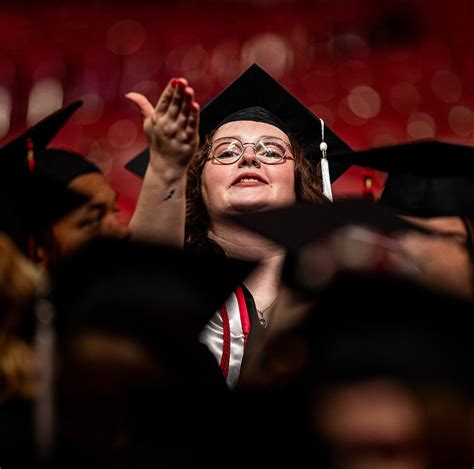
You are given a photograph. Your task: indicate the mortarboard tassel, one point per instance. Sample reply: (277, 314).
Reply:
(367, 189)
(325, 165)
(30, 159)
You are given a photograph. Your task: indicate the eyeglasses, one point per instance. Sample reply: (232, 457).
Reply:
(268, 150)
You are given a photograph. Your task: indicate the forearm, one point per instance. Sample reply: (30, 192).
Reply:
(160, 213)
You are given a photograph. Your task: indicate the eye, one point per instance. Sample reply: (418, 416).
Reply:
(92, 221)
(271, 150)
(227, 150)
(90, 224)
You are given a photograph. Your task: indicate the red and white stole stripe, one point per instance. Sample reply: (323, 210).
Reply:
(226, 335)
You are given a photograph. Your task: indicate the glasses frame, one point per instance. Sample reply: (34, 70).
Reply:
(253, 145)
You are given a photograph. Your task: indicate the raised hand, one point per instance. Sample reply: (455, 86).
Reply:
(172, 126)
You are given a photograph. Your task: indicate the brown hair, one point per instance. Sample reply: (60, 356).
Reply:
(308, 188)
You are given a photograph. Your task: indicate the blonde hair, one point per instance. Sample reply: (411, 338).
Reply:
(20, 283)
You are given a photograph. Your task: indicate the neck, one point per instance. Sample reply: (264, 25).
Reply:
(264, 281)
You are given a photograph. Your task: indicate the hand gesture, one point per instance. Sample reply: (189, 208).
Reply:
(172, 126)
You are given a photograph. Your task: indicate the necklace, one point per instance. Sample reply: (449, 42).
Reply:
(261, 312)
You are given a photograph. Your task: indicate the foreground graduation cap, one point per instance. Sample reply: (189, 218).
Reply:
(256, 88)
(425, 178)
(349, 341)
(144, 291)
(298, 225)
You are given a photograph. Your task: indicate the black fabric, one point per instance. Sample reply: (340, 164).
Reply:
(255, 114)
(425, 178)
(40, 135)
(302, 223)
(63, 165)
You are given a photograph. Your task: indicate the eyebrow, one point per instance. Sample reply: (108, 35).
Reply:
(457, 236)
(100, 205)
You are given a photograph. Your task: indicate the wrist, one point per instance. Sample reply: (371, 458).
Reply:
(166, 169)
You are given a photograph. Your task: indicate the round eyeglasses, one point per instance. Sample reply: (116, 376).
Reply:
(268, 150)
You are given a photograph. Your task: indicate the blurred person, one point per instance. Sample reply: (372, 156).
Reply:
(430, 184)
(96, 218)
(358, 348)
(385, 391)
(21, 283)
(27, 157)
(133, 383)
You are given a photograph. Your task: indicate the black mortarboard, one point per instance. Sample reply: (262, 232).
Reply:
(37, 137)
(255, 95)
(298, 225)
(425, 178)
(63, 165)
(143, 291)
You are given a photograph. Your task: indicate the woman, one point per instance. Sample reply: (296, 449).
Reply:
(258, 142)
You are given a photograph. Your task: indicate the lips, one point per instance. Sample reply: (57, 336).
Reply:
(248, 179)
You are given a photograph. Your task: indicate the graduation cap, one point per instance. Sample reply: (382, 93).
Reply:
(425, 178)
(63, 165)
(29, 201)
(255, 95)
(37, 137)
(143, 291)
(367, 244)
(347, 341)
(303, 223)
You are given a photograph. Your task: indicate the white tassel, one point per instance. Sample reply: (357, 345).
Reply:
(325, 165)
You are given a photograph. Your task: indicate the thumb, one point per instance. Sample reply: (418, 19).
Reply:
(144, 106)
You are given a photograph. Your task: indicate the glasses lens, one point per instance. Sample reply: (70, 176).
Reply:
(270, 150)
(226, 151)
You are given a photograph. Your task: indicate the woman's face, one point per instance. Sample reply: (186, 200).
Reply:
(247, 185)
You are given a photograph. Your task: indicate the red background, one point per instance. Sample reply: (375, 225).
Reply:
(378, 72)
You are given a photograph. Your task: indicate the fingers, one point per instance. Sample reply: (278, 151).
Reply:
(144, 106)
(186, 103)
(193, 119)
(177, 98)
(192, 124)
(166, 97)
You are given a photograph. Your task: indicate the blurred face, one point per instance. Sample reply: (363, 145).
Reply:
(373, 424)
(449, 227)
(443, 260)
(247, 185)
(97, 218)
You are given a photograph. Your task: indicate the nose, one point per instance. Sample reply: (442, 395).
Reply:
(113, 228)
(249, 157)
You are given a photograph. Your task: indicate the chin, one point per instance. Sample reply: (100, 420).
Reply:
(251, 205)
